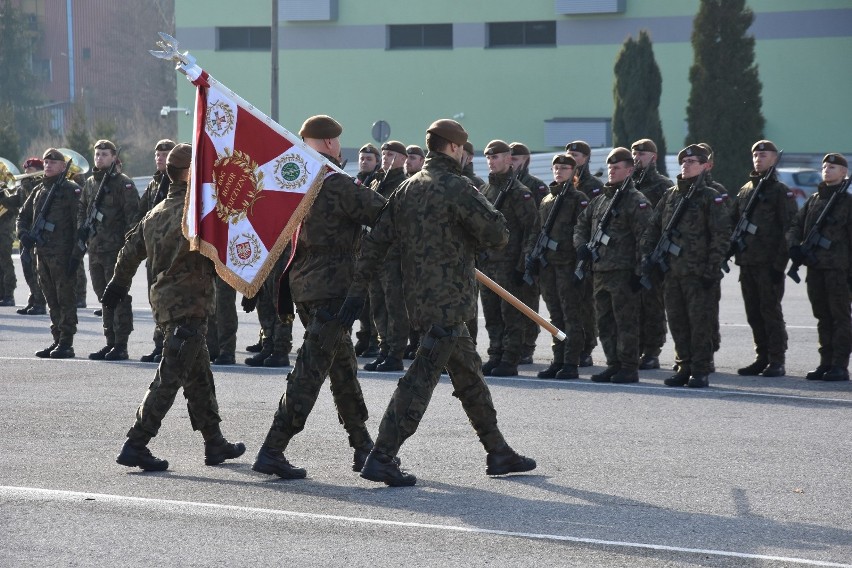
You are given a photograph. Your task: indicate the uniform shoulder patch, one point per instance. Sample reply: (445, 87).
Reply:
(791, 195)
(526, 195)
(643, 204)
(128, 186)
(584, 203)
(718, 200)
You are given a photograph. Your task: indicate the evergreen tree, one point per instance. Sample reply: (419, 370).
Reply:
(10, 146)
(77, 135)
(724, 108)
(638, 85)
(18, 93)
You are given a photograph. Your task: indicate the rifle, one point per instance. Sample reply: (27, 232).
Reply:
(498, 203)
(600, 237)
(814, 237)
(544, 242)
(666, 245)
(40, 223)
(89, 228)
(744, 225)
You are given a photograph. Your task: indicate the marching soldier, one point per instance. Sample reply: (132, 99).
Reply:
(36, 302)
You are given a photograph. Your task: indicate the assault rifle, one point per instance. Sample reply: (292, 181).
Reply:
(89, 228)
(666, 245)
(814, 237)
(498, 203)
(600, 237)
(544, 242)
(744, 225)
(40, 222)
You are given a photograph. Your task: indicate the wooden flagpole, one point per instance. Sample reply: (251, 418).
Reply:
(526, 310)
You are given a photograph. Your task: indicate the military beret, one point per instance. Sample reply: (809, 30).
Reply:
(394, 146)
(104, 145)
(53, 154)
(33, 162)
(644, 145)
(764, 146)
(693, 150)
(415, 149)
(180, 156)
(496, 147)
(369, 149)
(448, 129)
(566, 159)
(579, 146)
(468, 147)
(836, 159)
(709, 149)
(519, 149)
(320, 127)
(619, 154)
(164, 144)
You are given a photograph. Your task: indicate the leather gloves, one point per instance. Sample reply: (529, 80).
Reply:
(113, 294)
(350, 310)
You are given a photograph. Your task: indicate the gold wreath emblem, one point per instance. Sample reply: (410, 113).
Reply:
(237, 184)
(245, 253)
(219, 119)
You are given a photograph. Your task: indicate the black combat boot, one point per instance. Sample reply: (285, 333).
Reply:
(504, 369)
(219, 449)
(136, 455)
(390, 364)
(7, 301)
(372, 349)
(373, 365)
(818, 373)
(225, 359)
(23, 311)
(277, 359)
(257, 360)
(623, 376)
(62, 351)
(99, 312)
(836, 373)
(679, 379)
(151, 357)
(774, 370)
(506, 460)
(382, 468)
(45, 353)
(100, 354)
(256, 348)
(606, 375)
(550, 372)
(38, 310)
(489, 366)
(699, 381)
(117, 353)
(526, 360)
(567, 372)
(586, 360)
(755, 368)
(272, 462)
(649, 362)
(359, 457)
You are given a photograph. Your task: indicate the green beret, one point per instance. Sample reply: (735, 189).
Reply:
(764, 146)
(566, 159)
(644, 145)
(449, 130)
(104, 145)
(468, 147)
(579, 146)
(415, 149)
(693, 150)
(836, 159)
(519, 149)
(320, 127)
(164, 145)
(180, 156)
(619, 154)
(496, 147)
(394, 146)
(53, 154)
(369, 149)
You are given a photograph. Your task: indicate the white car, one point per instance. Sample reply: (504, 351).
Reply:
(802, 181)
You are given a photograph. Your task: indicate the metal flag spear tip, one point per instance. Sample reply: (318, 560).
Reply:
(169, 46)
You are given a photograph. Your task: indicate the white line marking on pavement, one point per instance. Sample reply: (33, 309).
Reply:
(61, 495)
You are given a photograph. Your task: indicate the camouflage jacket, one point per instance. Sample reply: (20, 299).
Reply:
(702, 232)
(537, 187)
(181, 280)
(573, 204)
(440, 220)
(155, 192)
(837, 228)
(325, 252)
(722, 190)
(625, 229)
(385, 183)
(63, 215)
(521, 215)
(589, 184)
(119, 206)
(654, 184)
(773, 215)
(468, 172)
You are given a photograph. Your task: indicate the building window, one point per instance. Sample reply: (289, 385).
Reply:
(519, 34)
(419, 36)
(257, 38)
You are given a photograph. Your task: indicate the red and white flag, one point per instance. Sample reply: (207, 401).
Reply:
(252, 184)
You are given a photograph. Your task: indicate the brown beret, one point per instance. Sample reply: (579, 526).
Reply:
(369, 149)
(448, 129)
(644, 145)
(579, 146)
(415, 149)
(693, 150)
(320, 127)
(53, 154)
(519, 149)
(496, 147)
(619, 154)
(566, 159)
(709, 149)
(180, 156)
(104, 145)
(836, 159)
(394, 146)
(468, 147)
(764, 146)
(33, 162)
(164, 145)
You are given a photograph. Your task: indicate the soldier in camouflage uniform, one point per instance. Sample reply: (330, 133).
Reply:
(591, 186)
(9, 206)
(320, 274)
(276, 339)
(119, 206)
(467, 170)
(652, 317)
(51, 257)
(616, 272)
(563, 302)
(222, 325)
(504, 323)
(829, 270)
(367, 339)
(439, 221)
(694, 273)
(414, 158)
(763, 261)
(156, 191)
(36, 302)
(181, 296)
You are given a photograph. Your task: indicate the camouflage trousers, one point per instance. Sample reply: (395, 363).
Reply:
(118, 322)
(503, 322)
(689, 306)
(652, 319)
(588, 316)
(531, 296)
(81, 285)
(762, 294)
(158, 333)
(271, 327)
(7, 267)
(185, 363)
(326, 352)
(617, 307)
(564, 304)
(31, 276)
(58, 292)
(453, 349)
(387, 305)
(222, 326)
(828, 292)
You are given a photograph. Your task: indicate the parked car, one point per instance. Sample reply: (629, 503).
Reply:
(802, 181)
